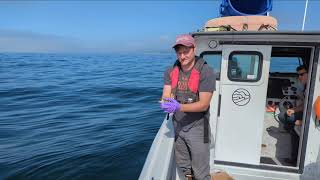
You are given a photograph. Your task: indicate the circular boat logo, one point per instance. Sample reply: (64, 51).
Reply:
(241, 97)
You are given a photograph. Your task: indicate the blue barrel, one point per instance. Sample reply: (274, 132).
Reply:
(245, 7)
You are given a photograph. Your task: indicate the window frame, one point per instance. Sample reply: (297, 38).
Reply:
(259, 54)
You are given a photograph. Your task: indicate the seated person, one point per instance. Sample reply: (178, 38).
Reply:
(235, 70)
(294, 116)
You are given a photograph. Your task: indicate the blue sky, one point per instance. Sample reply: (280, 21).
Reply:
(121, 26)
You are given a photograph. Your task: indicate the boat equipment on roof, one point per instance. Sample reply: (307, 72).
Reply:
(245, 7)
(243, 15)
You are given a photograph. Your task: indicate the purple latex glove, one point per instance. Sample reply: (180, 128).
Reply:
(170, 106)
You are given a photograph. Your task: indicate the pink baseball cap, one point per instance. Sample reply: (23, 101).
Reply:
(185, 40)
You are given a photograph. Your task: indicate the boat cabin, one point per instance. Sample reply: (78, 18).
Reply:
(256, 83)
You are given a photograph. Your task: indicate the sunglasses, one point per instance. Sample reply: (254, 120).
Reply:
(301, 74)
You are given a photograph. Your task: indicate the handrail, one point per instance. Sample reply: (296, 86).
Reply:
(159, 162)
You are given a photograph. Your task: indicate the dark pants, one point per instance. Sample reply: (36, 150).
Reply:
(294, 145)
(192, 154)
(294, 136)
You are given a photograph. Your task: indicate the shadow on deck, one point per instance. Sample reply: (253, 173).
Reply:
(276, 142)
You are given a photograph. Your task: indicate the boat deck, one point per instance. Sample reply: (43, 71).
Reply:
(276, 142)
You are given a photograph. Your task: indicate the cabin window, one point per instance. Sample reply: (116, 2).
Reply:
(245, 66)
(284, 64)
(214, 60)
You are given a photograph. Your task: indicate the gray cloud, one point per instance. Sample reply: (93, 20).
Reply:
(164, 38)
(25, 41)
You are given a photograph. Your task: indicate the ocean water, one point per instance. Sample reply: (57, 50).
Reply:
(67, 116)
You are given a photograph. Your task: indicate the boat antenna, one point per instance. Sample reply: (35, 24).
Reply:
(305, 14)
